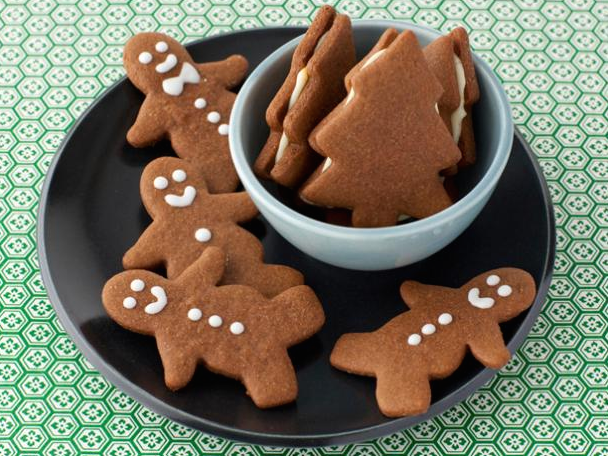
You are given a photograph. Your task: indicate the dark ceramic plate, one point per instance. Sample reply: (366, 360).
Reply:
(91, 213)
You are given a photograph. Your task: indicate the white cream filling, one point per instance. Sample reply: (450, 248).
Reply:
(326, 165)
(371, 60)
(301, 81)
(460, 113)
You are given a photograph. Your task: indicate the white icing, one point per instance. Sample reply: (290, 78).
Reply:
(200, 103)
(129, 302)
(460, 113)
(167, 65)
(145, 58)
(183, 200)
(428, 329)
(301, 80)
(326, 165)
(504, 291)
(444, 319)
(437, 108)
(161, 183)
(195, 314)
(215, 321)
(350, 96)
(188, 75)
(202, 235)
(214, 117)
(414, 339)
(493, 280)
(223, 129)
(237, 328)
(479, 302)
(179, 175)
(160, 303)
(161, 46)
(403, 217)
(373, 57)
(138, 285)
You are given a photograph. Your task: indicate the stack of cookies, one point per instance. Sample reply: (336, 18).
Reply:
(220, 304)
(378, 137)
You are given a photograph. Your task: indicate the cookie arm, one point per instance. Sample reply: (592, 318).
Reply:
(298, 314)
(488, 346)
(145, 253)
(230, 72)
(204, 272)
(237, 207)
(416, 294)
(148, 128)
(179, 364)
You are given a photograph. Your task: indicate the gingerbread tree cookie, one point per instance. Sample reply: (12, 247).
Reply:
(186, 102)
(187, 219)
(385, 143)
(233, 330)
(430, 340)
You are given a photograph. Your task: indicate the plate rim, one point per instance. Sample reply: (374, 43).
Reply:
(150, 401)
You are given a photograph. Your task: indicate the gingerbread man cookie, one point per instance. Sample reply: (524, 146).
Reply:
(233, 330)
(430, 340)
(187, 219)
(385, 144)
(186, 102)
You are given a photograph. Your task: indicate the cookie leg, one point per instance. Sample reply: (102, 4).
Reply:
(271, 381)
(402, 392)
(179, 365)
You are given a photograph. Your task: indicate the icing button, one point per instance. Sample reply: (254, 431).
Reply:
(195, 314)
(414, 339)
(215, 321)
(202, 235)
(237, 328)
(200, 103)
(213, 117)
(428, 329)
(444, 319)
(223, 129)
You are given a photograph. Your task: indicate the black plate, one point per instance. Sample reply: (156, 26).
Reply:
(91, 213)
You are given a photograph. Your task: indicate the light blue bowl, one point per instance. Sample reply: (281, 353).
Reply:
(370, 248)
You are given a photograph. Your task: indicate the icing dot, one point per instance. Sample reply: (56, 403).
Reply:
(161, 46)
(493, 280)
(444, 319)
(202, 235)
(414, 339)
(428, 329)
(215, 321)
(161, 183)
(129, 302)
(223, 129)
(145, 58)
(138, 285)
(200, 103)
(504, 291)
(179, 175)
(195, 314)
(213, 117)
(237, 328)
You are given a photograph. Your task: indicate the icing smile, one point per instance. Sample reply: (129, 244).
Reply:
(476, 301)
(160, 303)
(167, 65)
(182, 200)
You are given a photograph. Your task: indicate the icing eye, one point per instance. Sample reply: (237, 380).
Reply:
(504, 291)
(161, 183)
(161, 46)
(223, 129)
(202, 235)
(145, 58)
(195, 314)
(129, 302)
(200, 103)
(493, 280)
(137, 285)
(215, 321)
(179, 175)
(237, 328)
(213, 117)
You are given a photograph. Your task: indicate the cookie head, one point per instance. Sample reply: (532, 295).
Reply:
(504, 292)
(151, 59)
(169, 183)
(134, 299)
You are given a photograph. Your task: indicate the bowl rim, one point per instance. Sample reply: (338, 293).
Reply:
(263, 197)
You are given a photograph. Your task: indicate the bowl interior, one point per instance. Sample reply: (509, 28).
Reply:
(267, 81)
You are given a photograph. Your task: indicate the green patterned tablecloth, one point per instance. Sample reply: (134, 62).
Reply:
(552, 398)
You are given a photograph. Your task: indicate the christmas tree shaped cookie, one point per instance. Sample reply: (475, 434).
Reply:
(187, 220)
(431, 339)
(186, 102)
(233, 330)
(385, 144)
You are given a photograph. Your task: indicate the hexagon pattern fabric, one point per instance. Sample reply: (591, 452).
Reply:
(552, 57)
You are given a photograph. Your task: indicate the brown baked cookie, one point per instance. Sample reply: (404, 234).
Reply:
(187, 220)
(450, 60)
(385, 143)
(186, 102)
(314, 86)
(430, 340)
(232, 330)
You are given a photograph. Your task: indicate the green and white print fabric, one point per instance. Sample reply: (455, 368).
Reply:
(551, 399)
